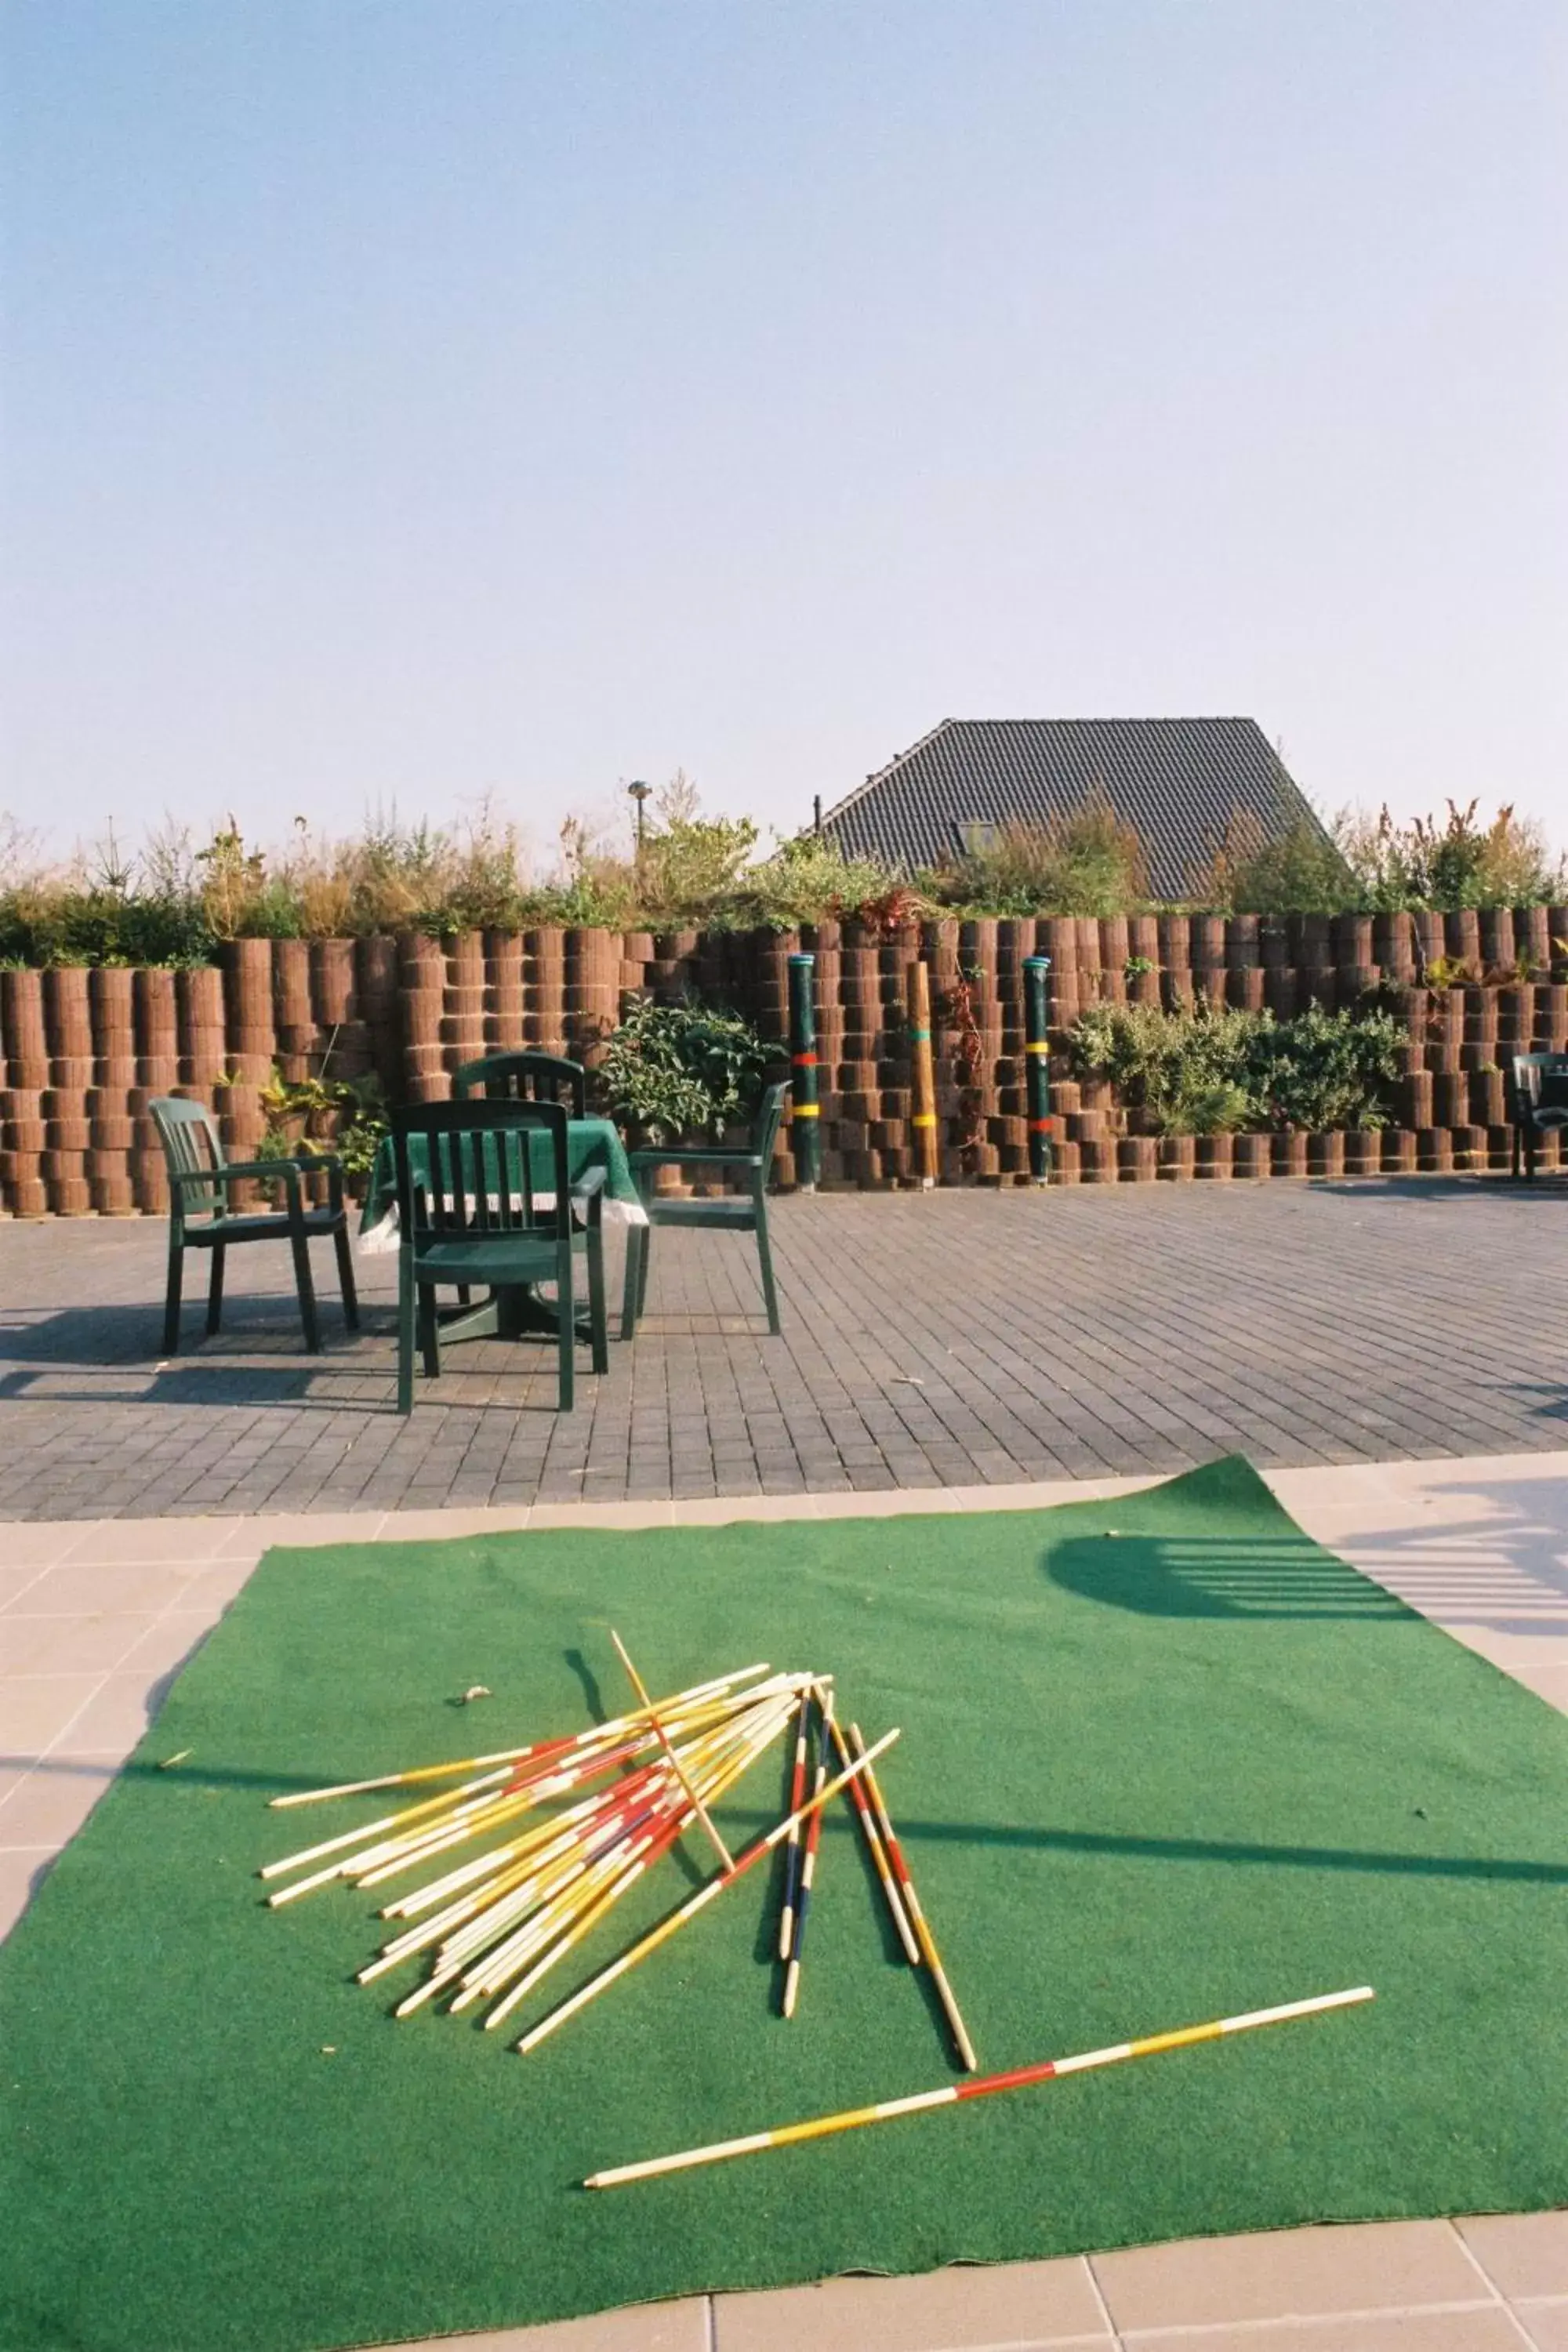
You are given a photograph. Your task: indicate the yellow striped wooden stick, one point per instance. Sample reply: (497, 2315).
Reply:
(953, 2094)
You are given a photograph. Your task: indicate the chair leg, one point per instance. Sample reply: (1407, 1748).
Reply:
(299, 1243)
(215, 1291)
(346, 1283)
(631, 1291)
(644, 1256)
(429, 1341)
(566, 1328)
(1529, 1156)
(765, 1256)
(407, 1315)
(596, 1311)
(171, 1296)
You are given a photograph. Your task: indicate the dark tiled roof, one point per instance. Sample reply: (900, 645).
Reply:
(1177, 780)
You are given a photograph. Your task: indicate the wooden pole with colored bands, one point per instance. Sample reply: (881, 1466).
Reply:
(589, 1739)
(952, 2094)
(923, 1936)
(808, 1861)
(714, 1840)
(922, 1074)
(698, 1902)
(1036, 1065)
(880, 1862)
(804, 1120)
(791, 1843)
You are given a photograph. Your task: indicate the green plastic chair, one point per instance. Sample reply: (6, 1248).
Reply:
(1539, 1106)
(476, 1218)
(201, 1218)
(735, 1213)
(524, 1078)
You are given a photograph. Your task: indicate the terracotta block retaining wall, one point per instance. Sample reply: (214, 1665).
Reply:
(82, 1053)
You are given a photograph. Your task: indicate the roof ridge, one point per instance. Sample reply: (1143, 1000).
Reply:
(880, 776)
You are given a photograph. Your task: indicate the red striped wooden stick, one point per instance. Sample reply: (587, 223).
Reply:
(952, 2094)
(923, 1936)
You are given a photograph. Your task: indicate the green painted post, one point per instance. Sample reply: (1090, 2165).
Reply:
(805, 1126)
(1037, 1071)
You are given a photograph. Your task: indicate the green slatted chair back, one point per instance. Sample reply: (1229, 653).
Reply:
(188, 1133)
(524, 1077)
(766, 1128)
(474, 1173)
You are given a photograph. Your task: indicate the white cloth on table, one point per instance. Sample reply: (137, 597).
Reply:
(381, 1238)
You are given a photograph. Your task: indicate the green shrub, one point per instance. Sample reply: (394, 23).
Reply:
(1216, 1070)
(1089, 863)
(1325, 1070)
(683, 1070)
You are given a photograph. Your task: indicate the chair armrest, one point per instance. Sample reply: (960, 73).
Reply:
(266, 1171)
(272, 1170)
(675, 1157)
(588, 1192)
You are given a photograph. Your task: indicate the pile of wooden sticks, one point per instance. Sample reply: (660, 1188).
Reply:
(606, 1805)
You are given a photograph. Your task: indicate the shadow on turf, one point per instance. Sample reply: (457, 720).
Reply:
(1185, 1576)
(914, 1830)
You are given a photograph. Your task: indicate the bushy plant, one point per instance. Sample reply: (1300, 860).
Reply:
(809, 880)
(1303, 871)
(682, 1070)
(1089, 863)
(1452, 862)
(1214, 1070)
(1326, 1070)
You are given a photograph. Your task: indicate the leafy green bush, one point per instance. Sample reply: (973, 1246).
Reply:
(1089, 863)
(1325, 1070)
(1216, 1070)
(679, 1071)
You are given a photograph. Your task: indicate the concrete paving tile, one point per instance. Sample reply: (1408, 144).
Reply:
(112, 1720)
(80, 1591)
(131, 1542)
(647, 2327)
(443, 1526)
(1546, 2324)
(250, 1537)
(61, 1645)
(1284, 2274)
(1550, 1682)
(718, 1510)
(19, 1875)
(33, 1715)
(1522, 2253)
(1021, 2304)
(26, 1544)
(169, 1642)
(604, 1516)
(48, 1805)
(209, 1591)
(1480, 2328)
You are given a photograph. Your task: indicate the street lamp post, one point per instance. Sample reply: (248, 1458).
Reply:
(640, 792)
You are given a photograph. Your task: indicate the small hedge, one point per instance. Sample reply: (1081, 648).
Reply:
(1215, 1072)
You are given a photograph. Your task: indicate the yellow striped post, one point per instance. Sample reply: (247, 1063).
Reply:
(922, 1075)
(804, 1118)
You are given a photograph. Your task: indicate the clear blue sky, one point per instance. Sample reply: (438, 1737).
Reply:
(417, 398)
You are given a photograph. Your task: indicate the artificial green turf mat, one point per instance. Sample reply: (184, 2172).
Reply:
(1146, 1778)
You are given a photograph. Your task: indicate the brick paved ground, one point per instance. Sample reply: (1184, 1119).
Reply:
(954, 1338)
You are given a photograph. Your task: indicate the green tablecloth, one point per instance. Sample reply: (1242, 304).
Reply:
(590, 1143)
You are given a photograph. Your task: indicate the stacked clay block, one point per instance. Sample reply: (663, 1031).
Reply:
(422, 1000)
(25, 1068)
(83, 1055)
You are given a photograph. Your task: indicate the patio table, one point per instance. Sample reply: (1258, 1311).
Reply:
(590, 1143)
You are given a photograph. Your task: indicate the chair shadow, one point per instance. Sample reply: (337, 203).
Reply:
(1265, 1576)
